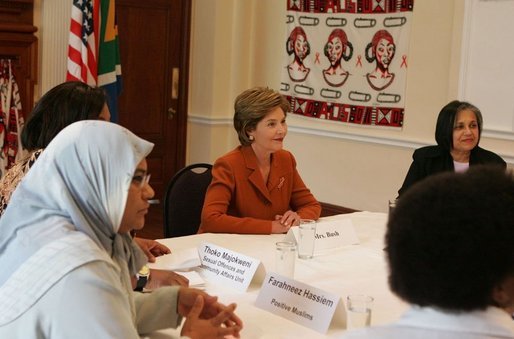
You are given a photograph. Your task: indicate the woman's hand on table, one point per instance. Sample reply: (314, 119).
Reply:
(205, 316)
(277, 227)
(159, 278)
(152, 248)
(283, 223)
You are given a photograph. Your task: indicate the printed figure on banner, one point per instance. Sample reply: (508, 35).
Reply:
(298, 45)
(337, 47)
(346, 61)
(381, 50)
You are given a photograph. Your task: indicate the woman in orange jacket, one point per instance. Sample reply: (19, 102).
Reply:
(256, 187)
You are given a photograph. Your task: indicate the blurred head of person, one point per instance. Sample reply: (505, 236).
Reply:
(449, 241)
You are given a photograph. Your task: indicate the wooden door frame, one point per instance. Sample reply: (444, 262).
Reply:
(182, 104)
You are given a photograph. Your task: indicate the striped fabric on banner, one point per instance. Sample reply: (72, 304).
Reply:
(109, 66)
(82, 49)
(346, 60)
(11, 118)
(93, 52)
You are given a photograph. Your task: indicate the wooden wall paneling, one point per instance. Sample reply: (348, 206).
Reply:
(18, 43)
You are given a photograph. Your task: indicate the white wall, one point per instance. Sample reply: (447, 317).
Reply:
(486, 78)
(345, 165)
(238, 44)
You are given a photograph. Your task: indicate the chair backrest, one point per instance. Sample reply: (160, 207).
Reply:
(183, 200)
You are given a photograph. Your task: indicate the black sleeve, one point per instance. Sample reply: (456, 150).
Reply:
(413, 176)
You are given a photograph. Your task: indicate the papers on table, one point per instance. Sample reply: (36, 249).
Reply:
(182, 260)
(195, 280)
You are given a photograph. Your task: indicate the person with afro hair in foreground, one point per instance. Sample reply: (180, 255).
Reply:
(450, 250)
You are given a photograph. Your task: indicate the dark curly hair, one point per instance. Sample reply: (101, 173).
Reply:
(450, 239)
(59, 107)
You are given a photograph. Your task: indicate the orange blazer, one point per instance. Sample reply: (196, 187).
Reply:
(238, 200)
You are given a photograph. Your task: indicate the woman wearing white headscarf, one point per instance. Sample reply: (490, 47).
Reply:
(66, 253)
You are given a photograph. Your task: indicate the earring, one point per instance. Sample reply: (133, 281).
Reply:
(251, 138)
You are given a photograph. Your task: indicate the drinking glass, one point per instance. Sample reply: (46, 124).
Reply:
(358, 310)
(392, 205)
(285, 258)
(306, 239)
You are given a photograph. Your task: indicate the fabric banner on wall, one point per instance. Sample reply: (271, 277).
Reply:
(346, 60)
(11, 117)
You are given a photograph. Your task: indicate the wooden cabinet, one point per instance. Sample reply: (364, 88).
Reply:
(18, 43)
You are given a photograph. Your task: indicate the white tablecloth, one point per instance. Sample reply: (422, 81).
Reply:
(354, 269)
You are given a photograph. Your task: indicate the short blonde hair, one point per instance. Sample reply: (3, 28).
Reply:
(252, 106)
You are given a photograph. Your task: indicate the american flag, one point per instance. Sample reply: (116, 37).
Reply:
(93, 51)
(82, 49)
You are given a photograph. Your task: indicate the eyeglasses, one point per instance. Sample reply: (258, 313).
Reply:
(141, 180)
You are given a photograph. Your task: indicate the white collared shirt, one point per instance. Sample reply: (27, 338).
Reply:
(460, 167)
(426, 322)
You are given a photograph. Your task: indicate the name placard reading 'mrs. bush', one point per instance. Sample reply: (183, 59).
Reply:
(330, 234)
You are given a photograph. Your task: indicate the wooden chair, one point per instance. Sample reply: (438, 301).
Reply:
(330, 209)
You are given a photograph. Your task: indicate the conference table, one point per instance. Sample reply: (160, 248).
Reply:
(351, 269)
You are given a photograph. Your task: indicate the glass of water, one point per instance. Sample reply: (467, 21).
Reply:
(392, 204)
(285, 258)
(306, 238)
(358, 310)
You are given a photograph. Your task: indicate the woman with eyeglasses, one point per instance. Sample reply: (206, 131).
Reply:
(67, 256)
(61, 106)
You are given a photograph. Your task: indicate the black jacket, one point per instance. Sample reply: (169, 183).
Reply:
(434, 159)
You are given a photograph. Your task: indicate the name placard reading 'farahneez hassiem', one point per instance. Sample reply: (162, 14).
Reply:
(304, 304)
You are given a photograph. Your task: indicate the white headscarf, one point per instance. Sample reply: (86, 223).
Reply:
(79, 183)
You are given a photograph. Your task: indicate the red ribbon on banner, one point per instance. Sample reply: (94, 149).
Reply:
(404, 61)
(359, 61)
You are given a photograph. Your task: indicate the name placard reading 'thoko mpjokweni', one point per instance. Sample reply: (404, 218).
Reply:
(306, 305)
(227, 267)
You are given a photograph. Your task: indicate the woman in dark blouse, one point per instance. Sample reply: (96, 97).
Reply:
(457, 133)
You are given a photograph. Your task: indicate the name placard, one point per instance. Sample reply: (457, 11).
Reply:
(306, 305)
(330, 234)
(227, 267)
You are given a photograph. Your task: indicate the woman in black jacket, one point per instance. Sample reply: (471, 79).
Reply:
(457, 133)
